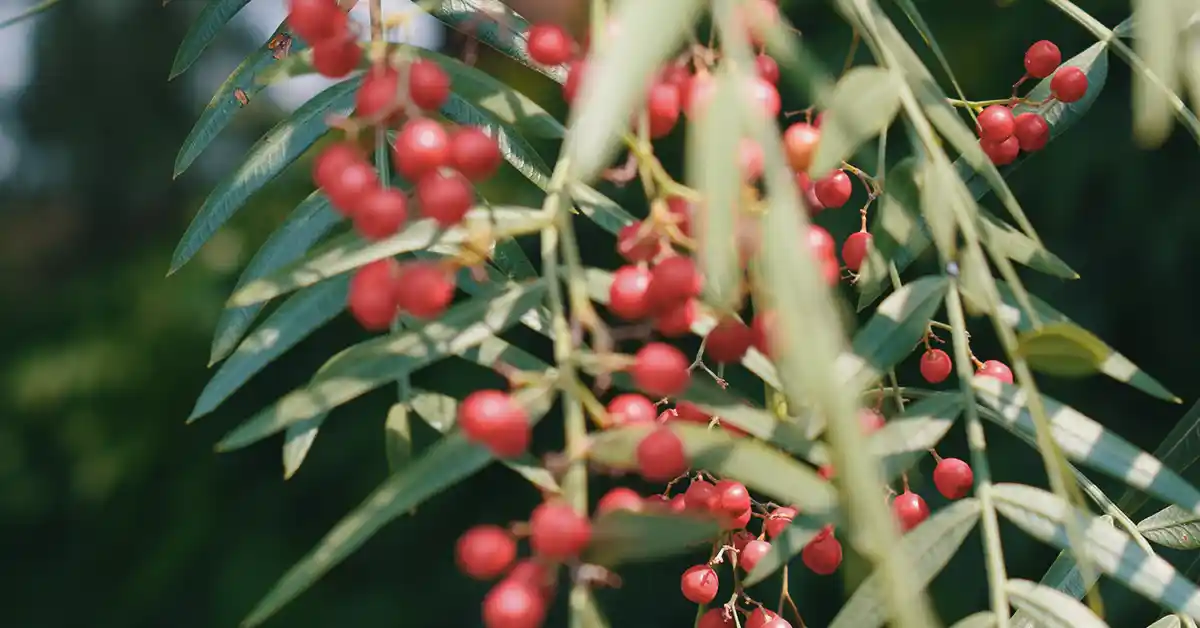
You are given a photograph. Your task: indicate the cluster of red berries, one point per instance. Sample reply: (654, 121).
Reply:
(936, 367)
(1002, 135)
(327, 28)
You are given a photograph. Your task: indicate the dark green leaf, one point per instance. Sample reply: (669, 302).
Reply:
(1063, 349)
(624, 537)
(1178, 451)
(1172, 527)
(515, 149)
(1002, 238)
(1051, 607)
(213, 17)
(899, 323)
(897, 231)
(861, 106)
(495, 24)
(599, 208)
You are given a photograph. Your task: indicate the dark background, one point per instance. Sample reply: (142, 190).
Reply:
(114, 513)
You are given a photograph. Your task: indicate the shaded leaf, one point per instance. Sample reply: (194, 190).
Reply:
(1179, 450)
(495, 24)
(213, 17)
(784, 547)
(1172, 527)
(1063, 349)
(891, 334)
(896, 229)
(599, 208)
(861, 106)
(1156, 39)
(905, 439)
(1050, 607)
(624, 537)
(1005, 240)
(514, 148)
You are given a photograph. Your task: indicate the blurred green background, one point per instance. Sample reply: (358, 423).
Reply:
(116, 514)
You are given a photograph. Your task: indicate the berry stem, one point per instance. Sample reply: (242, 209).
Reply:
(980, 104)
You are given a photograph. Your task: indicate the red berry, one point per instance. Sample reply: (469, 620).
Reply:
(733, 498)
(870, 421)
(575, 72)
(827, 472)
(347, 187)
(729, 341)
(661, 370)
(661, 456)
(1001, 153)
(549, 44)
(1042, 59)
(445, 196)
(691, 413)
(765, 96)
(681, 211)
(380, 213)
(1032, 132)
(627, 293)
(537, 574)
(676, 320)
(316, 20)
(779, 520)
(823, 554)
(372, 294)
(715, 618)
(328, 166)
(935, 366)
(620, 498)
(1069, 84)
(699, 584)
(753, 552)
(767, 14)
(953, 478)
(514, 604)
(737, 521)
(800, 143)
(854, 250)
(740, 539)
(662, 107)
(673, 281)
(485, 551)
(699, 94)
(634, 245)
(336, 57)
(767, 68)
(428, 84)
(997, 370)
(763, 327)
(557, 532)
(700, 496)
(820, 242)
(495, 420)
(763, 618)
(910, 510)
(425, 289)
(378, 93)
(474, 153)
(809, 189)
(834, 190)
(751, 160)
(631, 408)
(422, 146)
(831, 271)
(995, 123)
(676, 74)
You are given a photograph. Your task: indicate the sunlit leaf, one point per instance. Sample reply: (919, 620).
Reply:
(1170, 621)
(213, 17)
(982, 619)
(905, 439)
(1156, 39)
(585, 611)
(298, 440)
(1172, 527)
(861, 106)
(495, 24)
(897, 233)
(712, 168)
(1062, 349)
(893, 331)
(1178, 451)
(784, 547)
(514, 148)
(397, 437)
(623, 537)
(1050, 607)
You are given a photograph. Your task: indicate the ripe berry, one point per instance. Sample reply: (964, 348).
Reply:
(751, 160)
(681, 211)
(673, 281)
(428, 84)
(740, 539)
(1042, 59)
(378, 92)
(422, 146)
(854, 250)
(336, 57)
(767, 68)
(316, 20)
(575, 73)
(910, 510)
(627, 293)
(380, 213)
(691, 413)
(763, 618)
(631, 408)
(557, 532)
(1032, 131)
(834, 190)
(328, 165)
(549, 44)
(1069, 84)
(935, 366)
(808, 188)
(763, 327)
(535, 573)
(827, 472)
(823, 554)
(715, 618)
(634, 245)
(700, 496)
(765, 96)
(425, 289)
(661, 370)
(699, 93)
(996, 369)
(495, 420)
(733, 498)
(870, 421)
(485, 551)
(474, 153)
(752, 553)
(660, 456)
(820, 242)
(348, 186)
(514, 604)
(662, 108)
(779, 520)
(620, 498)
(676, 320)
(372, 294)
(445, 197)
(729, 341)
(699, 584)
(953, 478)
(1001, 153)
(767, 14)
(995, 123)
(800, 142)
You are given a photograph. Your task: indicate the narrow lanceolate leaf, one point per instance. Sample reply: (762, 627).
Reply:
(495, 24)
(1156, 39)
(225, 105)
(784, 547)
(1062, 349)
(624, 537)
(746, 460)
(446, 463)
(1087, 442)
(397, 437)
(712, 168)
(897, 234)
(1003, 239)
(266, 159)
(600, 209)
(295, 319)
(618, 78)
(585, 611)
(348, 252)
(1170, 621)
(298, 440)
(213, 17)
(1050, 607)
(1045, 516)
(1178, 451)
(513, 147)
(899, 323)
(1172, 527)
(982, 619)
(926, 549)
(903, 440)
(1063, 575)
(862, 105)
(371, 364)
(306, 225)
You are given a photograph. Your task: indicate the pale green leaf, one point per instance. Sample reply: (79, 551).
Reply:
(982, 619)
(1172, 527)
(298, 440)
(28, 13)
(585, 612)
(1050, 607)
(861, 106)
(495, 24)
(1170, 621)
(213, 17)
(938, 194)
(1063, 349)
(397, 437)
(1005, 240)
(712, 168)
(784, 547)
(897, 233)
(892, 333)
(1156, 39)
(623, 537)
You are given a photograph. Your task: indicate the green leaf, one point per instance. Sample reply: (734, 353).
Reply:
(513, 147)
(224, 104)
(905, 439)
(303, 228)
(213, 17)
(1085, 441)
(348, 252)
(1063, 575)
(784, 548)
(861, 106)
(585, 612)
(446, 463)
(982, 619)
(1178, 451)
(1002, 238)
(1051, 608)
(495, 24)
(1156, 39)
(293, 321)
(748, 461)
(600, 209)
(899, 323)
(625, 537)
(397, 437)
(1062, 349)
(29, 12)
(1170, 621)
(1045, 516)
(927, 549)
(1172, 527)
(898, 234)
(298, 440)
(266, 159)
(618, 78)
(371, 364)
